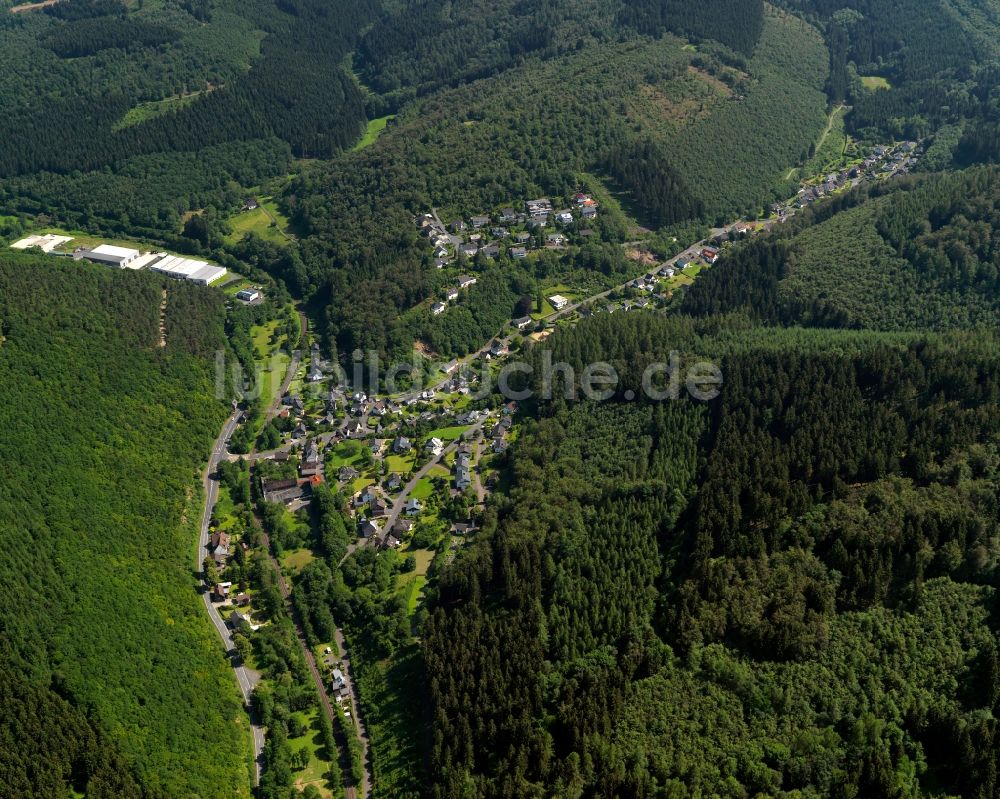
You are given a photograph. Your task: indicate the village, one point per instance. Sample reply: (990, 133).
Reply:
(411, 470)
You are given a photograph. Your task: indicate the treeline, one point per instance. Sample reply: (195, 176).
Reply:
(297, 91)
(51, 749)
(89, 36)
(657, 189)
(616, 632)
(734, 23)
(423, 45)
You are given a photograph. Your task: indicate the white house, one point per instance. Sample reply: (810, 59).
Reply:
(558, 301)
(438, 308)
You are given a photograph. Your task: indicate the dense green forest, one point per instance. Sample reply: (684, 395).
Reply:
(120, 686)
(785, 592)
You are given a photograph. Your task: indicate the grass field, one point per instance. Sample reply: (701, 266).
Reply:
(375, 129)
(400, 464)
(874, 83)
(423, 490)
(448, 433)
(315, 771)
(156, 108)
(266, 221)
(296, 560)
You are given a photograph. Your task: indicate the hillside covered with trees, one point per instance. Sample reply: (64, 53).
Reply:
(112, 679)
(714, 132)
(785, 592)
(919, 255)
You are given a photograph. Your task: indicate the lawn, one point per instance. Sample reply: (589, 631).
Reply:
(225, 510)
(296, 560)
(256, 221)
(315, 771)
(401, 464)
(375, 129)
(875, 82)
(424, 489)
(448, 433)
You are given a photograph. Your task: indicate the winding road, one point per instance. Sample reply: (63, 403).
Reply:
(247, 678)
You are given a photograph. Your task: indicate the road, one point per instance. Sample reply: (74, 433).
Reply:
(423, 471)
(246, 678)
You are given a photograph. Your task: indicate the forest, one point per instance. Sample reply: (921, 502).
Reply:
(787, 591)
(120, 685)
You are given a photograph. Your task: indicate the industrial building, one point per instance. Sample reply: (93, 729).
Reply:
(45, 243)
(110, 255)
(187, 269)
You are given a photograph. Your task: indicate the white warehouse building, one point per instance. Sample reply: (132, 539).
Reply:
(186, 269)
(120, 257)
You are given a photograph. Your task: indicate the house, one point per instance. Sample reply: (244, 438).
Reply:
(311, 461)
(242, 600)
(435, 446)
(507, 215)
(452, 293)
(348, 474)
(588, 212)
(285, 491)
(457, 226)
(403, 527)
(248, 295)
(337, 679)
(438, 308)
(564, 217)
(379, 409)
(558, 301)
(363, 499)
(555, 240)
(393, 483)
(710, 254)
(464, 281)
(463, 528)
(220, 592)
(480, 222)
(401, 445)
(390, 541)
(413, 507)
(499, 232)
(367, 528)
(667, 271)
(441, 263)
(499, 446)
(300, 431)
(498, 348)
(241, 622)
(315, 374)
(522, 238)
(355, 428)
(463, 473)
(491, 251)
(539, 206)
(218, 547)
(682, 263)
(523, 322)
(518, 253)
(379, 508)
(469, 249)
